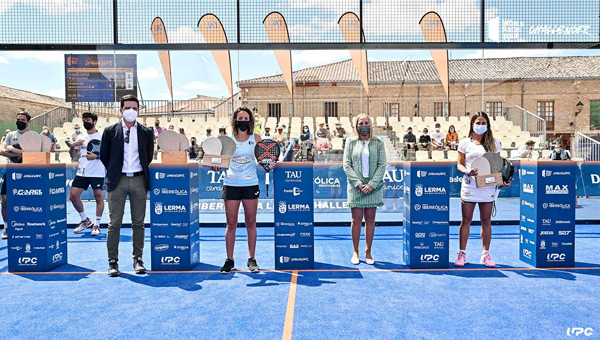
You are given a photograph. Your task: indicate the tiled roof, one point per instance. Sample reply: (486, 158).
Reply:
(16, 94)
(524, 68)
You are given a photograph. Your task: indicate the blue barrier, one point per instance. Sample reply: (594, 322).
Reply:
(330, 181)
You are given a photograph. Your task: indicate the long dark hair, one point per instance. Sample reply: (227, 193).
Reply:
(488, 137)
(234, 118)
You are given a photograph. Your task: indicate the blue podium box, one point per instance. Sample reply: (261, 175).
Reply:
(37, 217)
(547, 218)
(426, 214)
(294, 216)
(174, 217)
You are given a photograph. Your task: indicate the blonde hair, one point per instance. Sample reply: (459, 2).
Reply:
(359, 117)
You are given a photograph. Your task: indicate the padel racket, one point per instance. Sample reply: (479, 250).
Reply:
(212, 146)
(169, 141)
(496, 162)
(267, 152)
(228, 145)
(507, 171)
(16, 159)
(482, 165)
(46, 143)
(94, 147)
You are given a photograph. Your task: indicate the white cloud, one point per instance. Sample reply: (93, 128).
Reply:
(44, 57)
(185, 34)
(149, 73)
(52, 6)
(510, 53)
(202, 87)
(3, 60)
(316, 57)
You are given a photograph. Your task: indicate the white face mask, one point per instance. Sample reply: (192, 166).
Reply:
(437, 130)
(130, 115)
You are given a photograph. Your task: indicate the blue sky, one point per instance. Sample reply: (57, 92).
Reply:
(308, 20)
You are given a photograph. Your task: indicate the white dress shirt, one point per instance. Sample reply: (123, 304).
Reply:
(131, 155)
(365, 159)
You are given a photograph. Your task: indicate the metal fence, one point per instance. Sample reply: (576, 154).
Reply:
(125, 24)
(528, 121)
(586, 148)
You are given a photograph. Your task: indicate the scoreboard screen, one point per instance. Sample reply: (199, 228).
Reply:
(100, 77)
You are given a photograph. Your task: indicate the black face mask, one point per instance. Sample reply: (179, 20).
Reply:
(242, 125)
(156, 124)
(21, 125)
(208, 131)
(88, 126)
(409, 132)
(193, 142)
(222, 131)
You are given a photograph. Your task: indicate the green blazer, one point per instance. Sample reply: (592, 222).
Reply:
(353, 162)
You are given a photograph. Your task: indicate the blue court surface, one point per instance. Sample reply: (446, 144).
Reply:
(337, 300)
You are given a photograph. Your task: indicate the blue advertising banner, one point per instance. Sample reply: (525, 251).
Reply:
(547, 232)
(294, 216)
(37, 217)
(330, 186)
(174, 216)
(426, 214)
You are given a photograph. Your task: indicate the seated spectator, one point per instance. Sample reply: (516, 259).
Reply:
(222, 131)
(438, 138)
(46, 132)
(172, 127)
(452, 138)
(267, 133)
(280, 137)
(157, 129)
(339, 132)
(322, 132)
(525, 151)
(258, 124)
(194, 149)
(76, 133)
(424, 140)
(559, 153)
(181, 131)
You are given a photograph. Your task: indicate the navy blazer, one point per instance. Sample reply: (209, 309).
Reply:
(112, 153)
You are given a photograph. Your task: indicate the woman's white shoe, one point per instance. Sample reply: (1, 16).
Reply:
(355, 260)
(370, 261)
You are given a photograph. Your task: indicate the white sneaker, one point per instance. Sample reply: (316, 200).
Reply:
(95, 230)
(83, 226)
(4, 233)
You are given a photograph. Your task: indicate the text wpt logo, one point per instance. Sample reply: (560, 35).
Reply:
(170, 260)
(430, 258)
(577, 331)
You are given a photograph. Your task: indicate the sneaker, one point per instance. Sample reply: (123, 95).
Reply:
(95, 230)
(461, 259)
(487, 260)
(113, 268)
(138, 266)
(83, 225)
(4, 234)
(254, 268)
(228, 266)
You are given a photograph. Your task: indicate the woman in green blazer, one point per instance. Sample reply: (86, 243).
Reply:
(364, 164)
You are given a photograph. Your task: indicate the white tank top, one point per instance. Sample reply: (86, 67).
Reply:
(242, 166)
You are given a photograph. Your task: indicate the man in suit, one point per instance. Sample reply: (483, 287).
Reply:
(126, 152)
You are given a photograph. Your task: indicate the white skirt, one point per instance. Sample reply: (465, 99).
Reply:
(469, 192)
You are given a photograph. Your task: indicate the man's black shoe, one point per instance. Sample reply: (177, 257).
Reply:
(138, 266)
(113, 268)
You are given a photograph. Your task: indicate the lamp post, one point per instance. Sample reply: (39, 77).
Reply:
(416, 110)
